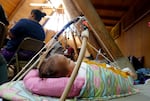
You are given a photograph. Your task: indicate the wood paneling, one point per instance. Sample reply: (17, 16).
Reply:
(137, 11)
(136, 40)
(9, 5)
(110, 11)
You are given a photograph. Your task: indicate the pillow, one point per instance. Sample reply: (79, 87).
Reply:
(51, 86)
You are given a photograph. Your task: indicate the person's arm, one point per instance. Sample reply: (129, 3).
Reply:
(9, 35)
(17, 29)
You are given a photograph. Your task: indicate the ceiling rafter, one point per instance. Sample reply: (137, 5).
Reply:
(112, 7)
(116, 18)
(109, 24)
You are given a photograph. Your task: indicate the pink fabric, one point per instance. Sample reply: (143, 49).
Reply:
(51, 86)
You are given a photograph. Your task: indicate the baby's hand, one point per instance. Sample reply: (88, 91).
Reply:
(129, 72)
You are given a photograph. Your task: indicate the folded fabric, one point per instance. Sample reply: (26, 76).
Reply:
(103, 83)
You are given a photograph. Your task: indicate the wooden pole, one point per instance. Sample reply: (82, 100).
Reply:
(77, 66)
(75, 45)
(98, 27)
(73, 12)
(94, 43)
(71, 9)
(102, 34)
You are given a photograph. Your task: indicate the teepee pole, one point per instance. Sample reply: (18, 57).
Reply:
(102, 34)
(75, 44)
(85, 35)
(73, 12)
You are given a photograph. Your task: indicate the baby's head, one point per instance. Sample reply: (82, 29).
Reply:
(55, 66)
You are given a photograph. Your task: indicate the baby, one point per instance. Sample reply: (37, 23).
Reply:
(55, 66)
(95, 79)
(58, 65)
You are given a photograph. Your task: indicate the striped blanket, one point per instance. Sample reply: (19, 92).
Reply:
(103, 83)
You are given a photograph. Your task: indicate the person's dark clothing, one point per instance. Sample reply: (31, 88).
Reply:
(23, 28)
(3, 70)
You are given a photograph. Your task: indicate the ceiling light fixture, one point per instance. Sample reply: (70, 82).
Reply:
(40, 4)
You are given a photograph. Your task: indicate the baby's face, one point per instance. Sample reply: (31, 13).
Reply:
(67, 63)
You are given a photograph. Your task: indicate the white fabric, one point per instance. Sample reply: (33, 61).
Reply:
(82, 70)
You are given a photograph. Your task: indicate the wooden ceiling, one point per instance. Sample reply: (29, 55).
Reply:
(110, 11)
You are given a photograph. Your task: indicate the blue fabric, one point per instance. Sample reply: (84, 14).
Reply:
(25, 28)
(142, 75)
(144, 71)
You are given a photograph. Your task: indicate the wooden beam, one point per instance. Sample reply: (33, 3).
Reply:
(102, 34)
(75, 45)
(98, 27)
(135, 14)
(93, 41)
(116, 18)
(109, 24)
(13, 12)
(73, 12)
(111, 7)
(71, 9)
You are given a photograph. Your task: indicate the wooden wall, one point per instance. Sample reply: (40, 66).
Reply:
(17, 9)
(9, 6)
(136, 40)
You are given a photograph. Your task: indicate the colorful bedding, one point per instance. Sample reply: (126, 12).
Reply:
(103, 83)
(16, 91)
(100, 84)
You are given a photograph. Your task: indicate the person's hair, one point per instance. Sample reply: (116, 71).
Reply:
(38, 14)
(50, 68)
